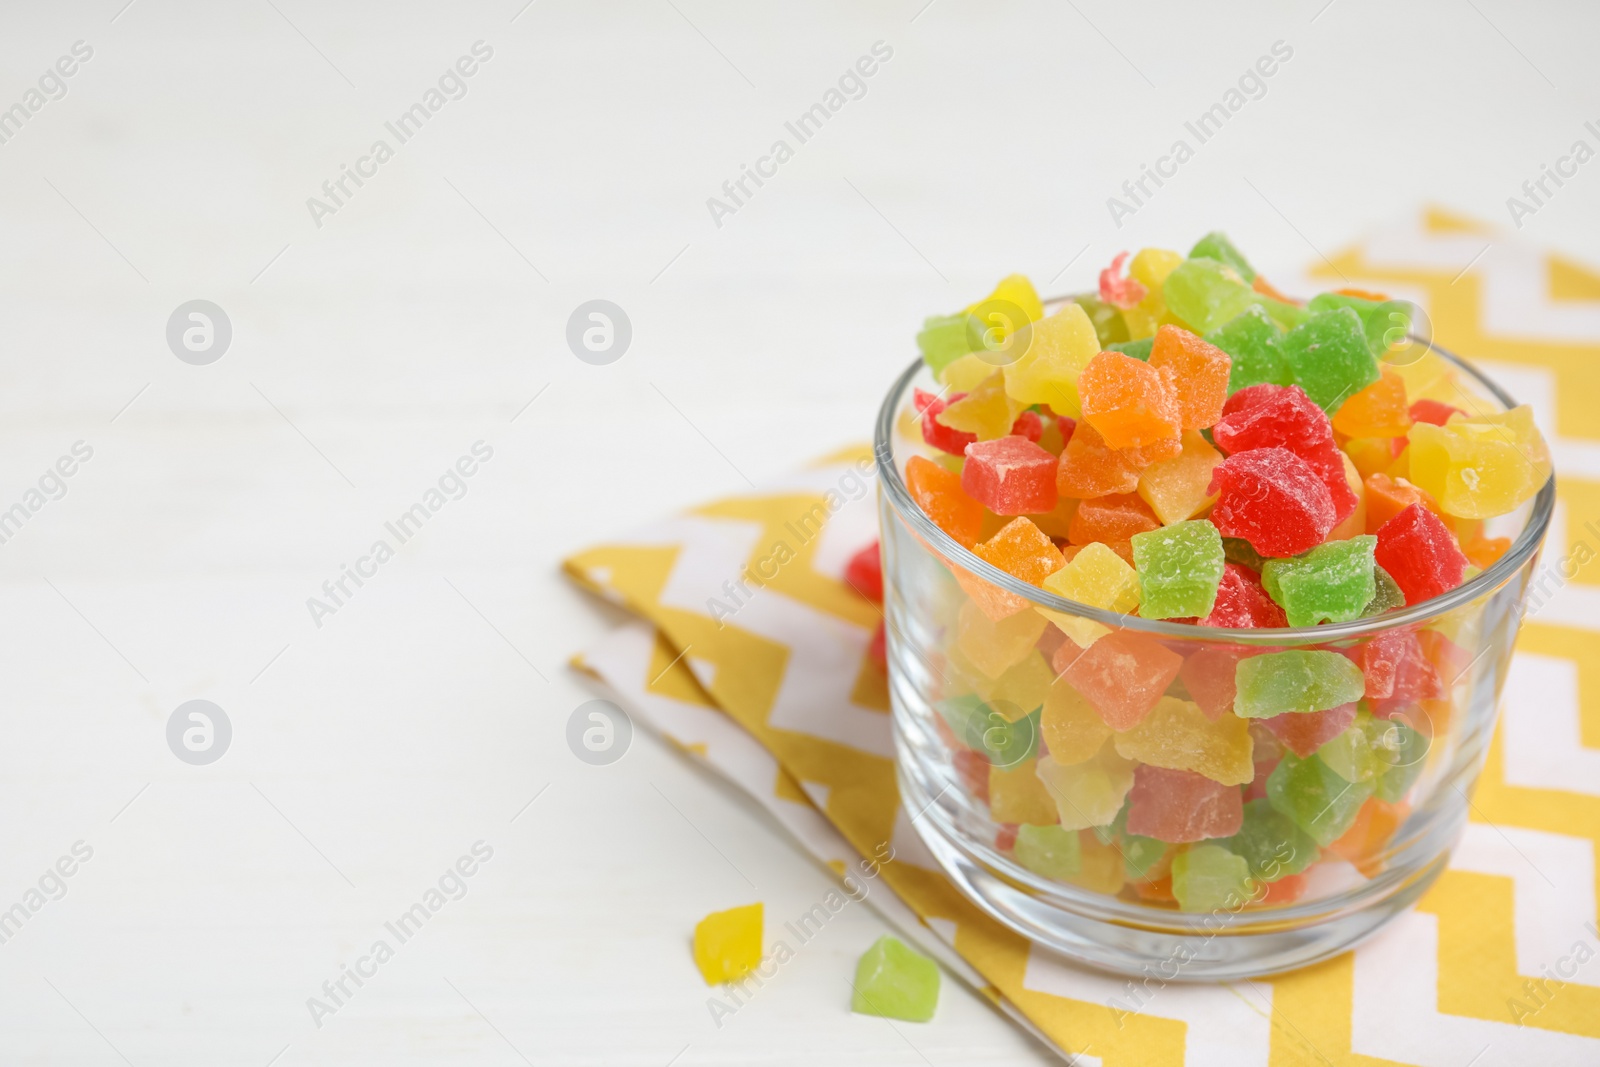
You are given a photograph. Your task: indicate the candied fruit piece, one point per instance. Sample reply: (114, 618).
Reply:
(1273, 499)
(1198, 371)
(1215, 245)
(1379, 410)
(1433, 412)
(1482, 466)
(1180, 488)
(1211, 878)
(986, 411)
(1017, 795)
(938, 493)
(1180, 567)
(1329, 357)
(1129, 402)
(936, 433)
(1150, 269)
(1098, 577)
(1303, 732)
(1111, 518)
(1388, 596)
(1316, 799)
(1208, 675)
(1179, 736)
(1090, 792)
(1384, 322)
(1205, 293)
(1054, 352)
(1139, 349)
(1331, 583)
(1253, 343)
(1420, 554)
(1122, 675)
(1073, 731)
(895, 982)
(864, 573)
(994, 647)
(1271, 843)
(1014, 290)
(1181, 806)
(1297, 680)
(1388, 497)
(944, 339)
(1010, 476)
(1117, 289)
(1049, 850)
(727, 944)
(1243, 604)
(1267, 416)
(1023, 551)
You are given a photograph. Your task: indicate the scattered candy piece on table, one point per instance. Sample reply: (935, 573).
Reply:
(864, 573)
(727, 944)
(895, 982)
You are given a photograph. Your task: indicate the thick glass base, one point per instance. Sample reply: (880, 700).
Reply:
(1161, 945)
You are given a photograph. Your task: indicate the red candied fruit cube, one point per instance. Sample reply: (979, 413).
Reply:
(1122, 675)
(1182, 806)
(1029, 425)
(1282, 416)
(1303, 732)
(935, 432)
(1382, 658)
(864, 573)
(1010, 476)
(1434, 412)
(1242, 602)
(1208, 675)
(1420, 554)
(1273, 499)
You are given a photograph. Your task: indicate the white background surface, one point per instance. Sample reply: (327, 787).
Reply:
(371, 352)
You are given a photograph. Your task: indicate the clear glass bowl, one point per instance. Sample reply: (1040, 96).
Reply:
(975, 710)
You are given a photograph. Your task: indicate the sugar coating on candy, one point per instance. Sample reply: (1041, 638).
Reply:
(1048, 850)
(1089, 792)
(1180, 488)
(994, 647)
(1072, 730)
(1379, 410)
(1211, 878)
(1129, 402)
(1267, 416)
(1215, 245)
(1055, 350)
(944, 339)
(938, 493)
(1017, 795)
(1205, 293)
(895, 982)
(1180, 567)
(1297, 680)
(1384, 323)
(1254, 346)
(1181, 806)
(1010, 476)
(1198, 371)
(1333, 582)
(1270, 842)
(1116, 288)
(1482, 466)
(1111, 518)
(727, 944)
(1271, 498)
(1023, 551)
(1329, 357)
(1303, 732)
(864, 573)
(1208, 675)
(1315, 799)
(1179, 736)
(1099, 578)
(1242, 602)
(1420, 554)
(1122, 675)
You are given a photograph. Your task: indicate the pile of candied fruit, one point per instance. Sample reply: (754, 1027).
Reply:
(1188, 444)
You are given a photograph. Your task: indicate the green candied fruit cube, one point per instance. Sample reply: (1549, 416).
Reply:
(1215, 245)
(1329, 357)
(1139, 854)
(1206, 293)
(982, 728)
(1357, 754)
(1316, 798)
(1210, 878)
(1048, 850)
(1403, 751)
(1238, 550)
(1275, 683)
(895, 982)
(1384, 322)
(1271, 843)
(944, 339)
(1108, 323)
(1387, 595)
(1255, 345)
(1180, 567)
(1331, 583)
(1136, 349)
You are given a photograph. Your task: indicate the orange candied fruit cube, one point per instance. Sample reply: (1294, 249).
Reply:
(1111, 519)
(1387, 497)
(1023, 551)
(938, 492)
(1379, 410)
(1198, 372)
(1485, 552)
(1362, 845)
(1130, 402)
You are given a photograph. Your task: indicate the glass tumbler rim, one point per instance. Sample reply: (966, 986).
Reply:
(1521, 551)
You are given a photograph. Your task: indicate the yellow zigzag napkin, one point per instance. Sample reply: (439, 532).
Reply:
(750, 654)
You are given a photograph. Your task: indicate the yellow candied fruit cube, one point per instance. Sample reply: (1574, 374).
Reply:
(994, 647)
(727, 944)
(1098, 577)
(1177, 735)
(986, 411)
(1480, 466)
(1053, 355)
(1072, 730)
(1021, 688)
(1149, 267)
(1014, 289)
(1089, 793)
(1017, 795)
(967, 373)
(1176, 488)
